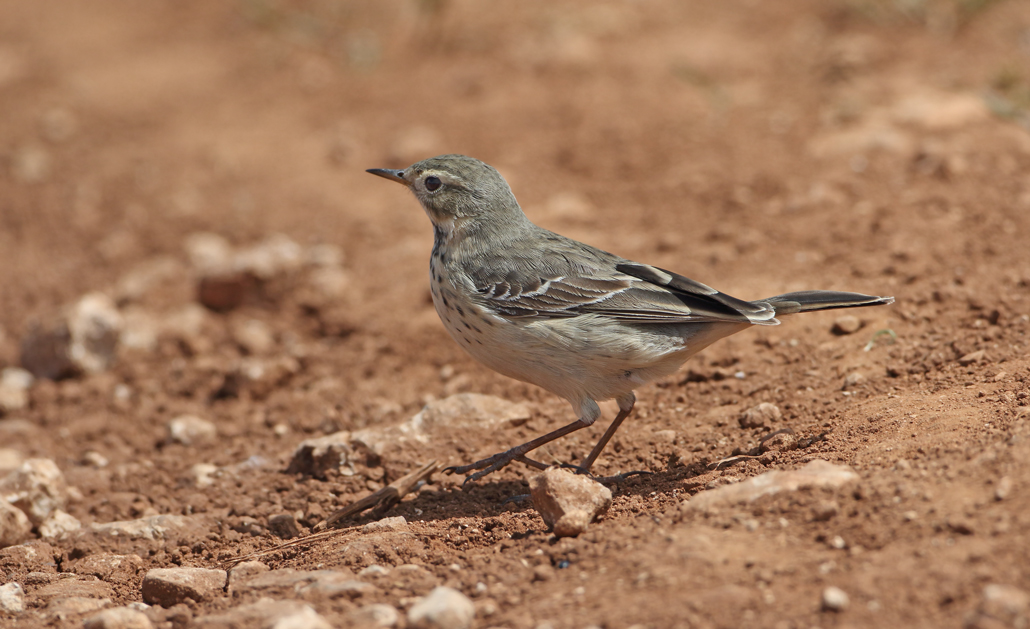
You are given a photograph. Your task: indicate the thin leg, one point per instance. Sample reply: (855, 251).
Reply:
(497, 461)
(625, 408)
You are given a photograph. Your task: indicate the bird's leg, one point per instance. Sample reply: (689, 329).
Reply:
(625, 408)
(499, 460)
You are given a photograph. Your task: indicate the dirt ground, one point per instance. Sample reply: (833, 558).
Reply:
(759, 147)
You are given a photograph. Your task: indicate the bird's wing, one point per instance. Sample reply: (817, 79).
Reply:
(590, 281)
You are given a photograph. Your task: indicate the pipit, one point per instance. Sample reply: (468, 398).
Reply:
(580, 322)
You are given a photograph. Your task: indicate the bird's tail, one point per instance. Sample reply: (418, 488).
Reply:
(810, 300)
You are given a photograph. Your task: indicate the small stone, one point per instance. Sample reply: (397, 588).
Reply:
(759, 416)
(853, 380)
(1004, 488)
(825, 510)
(283, 526)
(10, 460)
(835, 599)
(118, 618)
(69, 586)
(568, 502)
(1006, 603)
(58, 524)
(315, 457)
(375, 615)
(396, 523)
(543, 572)
(37, 488)
(961, 525)
(150, 528)
(12, 598)
(254, 336)
(170, 586)
(202, 474)
(209, 253)
(783, 440)
(442, 608)
(265, 614)
(260, 376)
(14, 389)
(847, 324)
(465, 411)
(192, 430)
(82, 340)
(972, 357)
(817, 473)
(288, 582)
(222, 293)
(276, 255)
(75, 605)
(244, 572)
(94, 459)
(14, 525)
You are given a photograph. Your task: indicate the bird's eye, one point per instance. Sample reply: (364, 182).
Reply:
(433, 184)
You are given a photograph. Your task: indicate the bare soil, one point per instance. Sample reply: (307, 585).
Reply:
(759, 147)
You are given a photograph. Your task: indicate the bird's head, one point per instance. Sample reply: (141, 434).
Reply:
(458, 192)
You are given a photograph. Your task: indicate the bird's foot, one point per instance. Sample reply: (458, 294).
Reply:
(491, 464)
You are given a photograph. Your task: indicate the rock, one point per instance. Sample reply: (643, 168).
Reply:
(835, 599)
(37, 488)
(442, 608)
(12, 598)
(465, 411)
(375, 615)
(222, 293)
(76, 587)
(118, 618)
(290, 582)
(209, 253)
(108, 566)
(260, 376)
(254, 336)
(58, 524)
(396, 523)
(265, 614)
(1004, 488)
(846, 324)
(568, 502)
(782, 440)
(759, 416)
(202, 473)
(10, 460)
(191, 430)
(244, 572)
(170, 586)
(75, 606)
(14, 389)
(83, 340)
(315, 457)
(283, 526)
(1004, 603)
(275, 255)
(972, 357)
(825, 510)
(853, 380)
(14, 525)
(150, 528)
(817, 473)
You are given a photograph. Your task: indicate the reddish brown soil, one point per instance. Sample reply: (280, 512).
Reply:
(759, 147)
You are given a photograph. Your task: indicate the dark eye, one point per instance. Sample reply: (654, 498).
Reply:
(433, 184)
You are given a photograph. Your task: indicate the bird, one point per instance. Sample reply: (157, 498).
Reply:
(582, 323)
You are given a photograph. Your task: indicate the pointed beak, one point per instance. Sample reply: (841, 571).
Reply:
(389, 173)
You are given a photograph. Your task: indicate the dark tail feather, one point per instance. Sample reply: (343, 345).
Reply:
(809, 300)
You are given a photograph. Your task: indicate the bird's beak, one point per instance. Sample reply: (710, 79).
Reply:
(389, 173)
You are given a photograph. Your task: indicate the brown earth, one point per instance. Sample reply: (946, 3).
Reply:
(759, 147)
